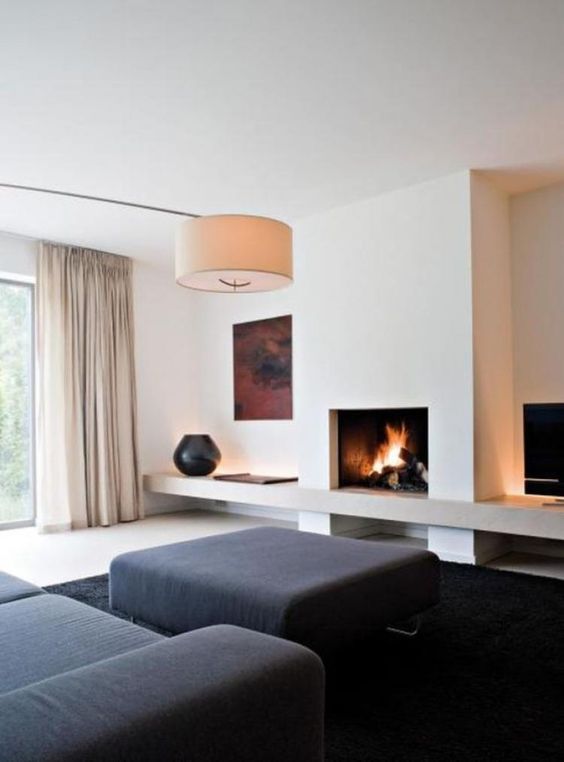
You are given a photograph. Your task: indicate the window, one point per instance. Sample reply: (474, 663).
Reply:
(17, 503)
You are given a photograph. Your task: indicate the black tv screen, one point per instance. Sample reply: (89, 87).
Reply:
(544, 448)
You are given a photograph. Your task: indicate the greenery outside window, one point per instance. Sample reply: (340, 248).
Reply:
(17, 489)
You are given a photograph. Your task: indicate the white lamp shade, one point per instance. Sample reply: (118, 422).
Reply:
(234, 253)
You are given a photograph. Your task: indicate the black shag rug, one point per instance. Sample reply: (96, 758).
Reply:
(483, 680)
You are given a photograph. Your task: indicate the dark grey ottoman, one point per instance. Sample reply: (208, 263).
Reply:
(316, 590)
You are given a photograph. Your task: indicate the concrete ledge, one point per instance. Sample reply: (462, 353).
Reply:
(517, 516)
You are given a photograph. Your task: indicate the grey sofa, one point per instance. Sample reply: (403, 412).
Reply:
(79, 684)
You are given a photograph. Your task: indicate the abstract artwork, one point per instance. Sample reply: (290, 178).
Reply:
(262, 369)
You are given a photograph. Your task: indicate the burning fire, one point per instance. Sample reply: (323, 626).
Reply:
(388, 453)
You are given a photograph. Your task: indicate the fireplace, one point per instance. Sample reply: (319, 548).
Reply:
(384, 449)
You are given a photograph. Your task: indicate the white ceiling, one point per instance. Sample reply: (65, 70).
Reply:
(276, 107)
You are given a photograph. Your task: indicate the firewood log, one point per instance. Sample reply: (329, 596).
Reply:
(422, 472)
(408, 458)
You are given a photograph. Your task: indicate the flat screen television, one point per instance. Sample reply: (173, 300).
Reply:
(543, 426)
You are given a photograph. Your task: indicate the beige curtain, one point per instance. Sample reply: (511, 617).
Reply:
(88, 471)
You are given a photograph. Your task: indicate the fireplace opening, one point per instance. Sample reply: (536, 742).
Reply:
(384, 449)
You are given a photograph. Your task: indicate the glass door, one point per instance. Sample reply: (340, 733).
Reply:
(17, 499)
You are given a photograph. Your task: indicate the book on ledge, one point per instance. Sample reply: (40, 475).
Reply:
(254, 479)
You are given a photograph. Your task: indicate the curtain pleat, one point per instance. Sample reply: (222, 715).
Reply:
(88, 468)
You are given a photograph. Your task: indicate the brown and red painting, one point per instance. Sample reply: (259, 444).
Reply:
(262, 368)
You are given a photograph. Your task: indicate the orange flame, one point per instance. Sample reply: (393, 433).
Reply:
(388, 454)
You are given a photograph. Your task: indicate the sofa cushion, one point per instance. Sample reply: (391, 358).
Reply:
(46, 635)
(220, 694)
(12, 588)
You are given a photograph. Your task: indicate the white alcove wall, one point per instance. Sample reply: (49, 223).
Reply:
(492, 340)
(518, 323)
(537, 236)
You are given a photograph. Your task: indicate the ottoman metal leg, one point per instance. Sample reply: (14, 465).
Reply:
(407, 633)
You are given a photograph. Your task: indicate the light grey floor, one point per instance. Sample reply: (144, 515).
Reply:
(46, 559)
(524, 563)
(530, 563)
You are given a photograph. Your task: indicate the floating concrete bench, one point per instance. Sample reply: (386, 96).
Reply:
(316, 590)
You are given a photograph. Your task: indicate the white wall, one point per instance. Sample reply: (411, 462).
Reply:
(493, 356)
(258, 446)
(382, 318)
(399, 300)
(537, 233)
(433, 295)
(18, 256)
(165, 327)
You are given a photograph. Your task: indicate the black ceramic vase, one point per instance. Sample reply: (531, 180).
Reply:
(196, 455)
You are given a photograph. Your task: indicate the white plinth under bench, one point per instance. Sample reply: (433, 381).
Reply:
(470, 532)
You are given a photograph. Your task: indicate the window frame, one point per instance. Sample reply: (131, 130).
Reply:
(29, 283)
